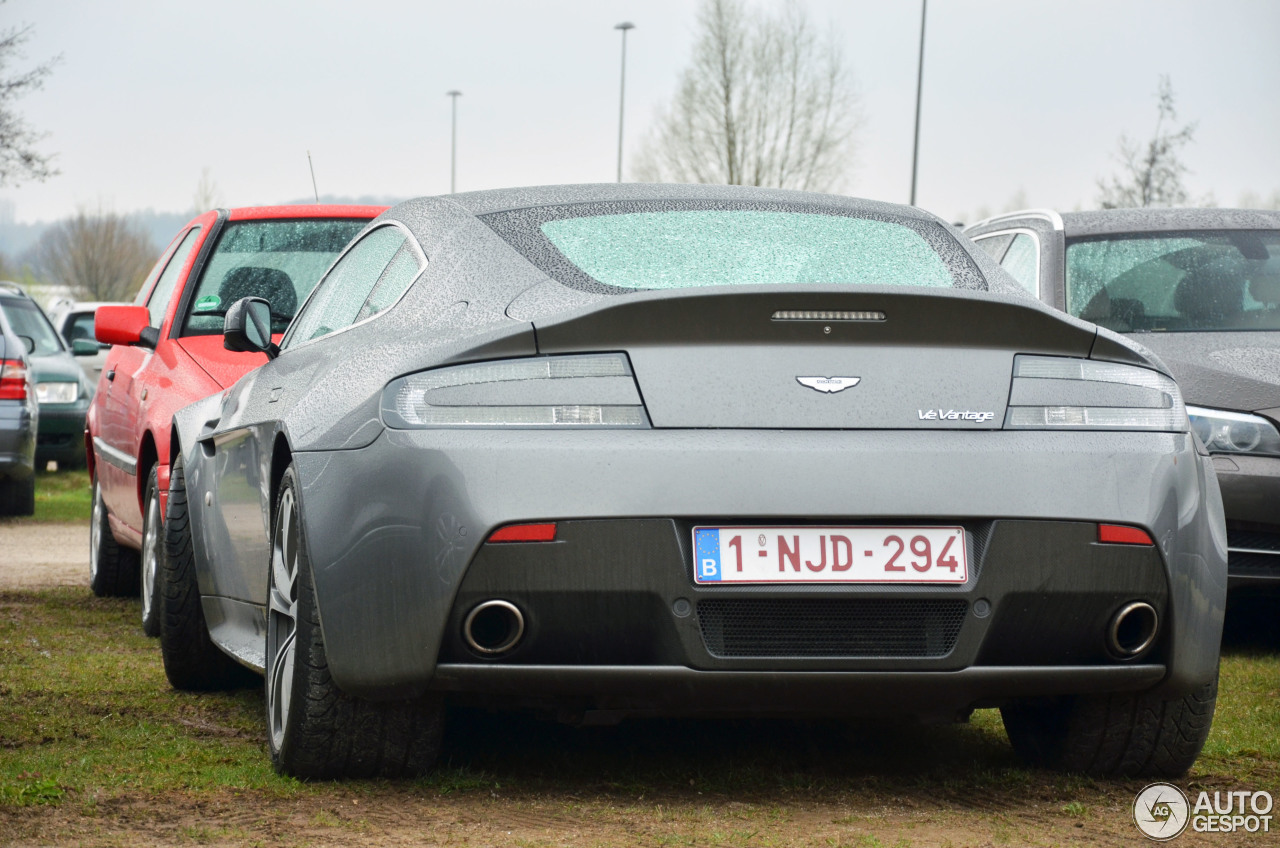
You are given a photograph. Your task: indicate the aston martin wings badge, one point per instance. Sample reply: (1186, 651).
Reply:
(828, 384)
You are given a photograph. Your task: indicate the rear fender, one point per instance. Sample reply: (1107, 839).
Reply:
(190, 425)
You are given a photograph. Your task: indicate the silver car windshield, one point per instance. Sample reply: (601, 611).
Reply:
(1177, 282)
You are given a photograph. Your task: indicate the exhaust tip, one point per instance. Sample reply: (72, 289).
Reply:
(1132, 630)
(493, 627)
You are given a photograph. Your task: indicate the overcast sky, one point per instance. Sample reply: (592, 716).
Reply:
(1023, 101)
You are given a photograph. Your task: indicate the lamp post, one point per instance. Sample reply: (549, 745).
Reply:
(915, 148)
(453, 149)
(622, 93)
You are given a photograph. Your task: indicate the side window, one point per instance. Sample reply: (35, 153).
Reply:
(400, 273)
(141, 298)
(339, 298)
(159, 300)
(994, 245)
(79, 327)
(1022, 261)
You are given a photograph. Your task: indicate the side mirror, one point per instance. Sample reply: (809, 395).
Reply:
(125, 325)
(85, 347)
(247, 327)
(29, 343)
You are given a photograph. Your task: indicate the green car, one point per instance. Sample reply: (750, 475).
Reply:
(62, 389)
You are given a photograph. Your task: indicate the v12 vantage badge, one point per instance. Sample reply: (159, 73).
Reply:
(954, 415)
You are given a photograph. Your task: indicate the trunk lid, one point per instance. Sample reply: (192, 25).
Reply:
(719, 358)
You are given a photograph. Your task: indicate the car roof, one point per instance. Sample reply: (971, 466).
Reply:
(1106, 221)
(498, 200)
(304, 210)
(1146, 220)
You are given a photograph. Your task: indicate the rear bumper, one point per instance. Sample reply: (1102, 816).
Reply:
(17, 441)
(61, 434)
(395, 533)
(1251, 500)
(668, 690)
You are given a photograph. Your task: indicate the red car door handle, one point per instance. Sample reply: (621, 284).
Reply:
(111, 375)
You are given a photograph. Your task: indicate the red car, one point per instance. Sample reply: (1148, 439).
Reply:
(167, 352)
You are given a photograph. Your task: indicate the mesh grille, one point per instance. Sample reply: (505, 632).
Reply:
(1250, 562)
(829, 627)
(1253, 539)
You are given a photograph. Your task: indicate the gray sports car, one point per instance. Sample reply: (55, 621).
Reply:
(640, 449)
(1200, 287)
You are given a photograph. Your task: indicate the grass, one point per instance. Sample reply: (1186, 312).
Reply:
(87, 714)
(85, 708)
(62, 496)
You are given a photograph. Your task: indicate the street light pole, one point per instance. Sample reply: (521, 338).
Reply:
(915, 148)
(453, 150)
(622, 93)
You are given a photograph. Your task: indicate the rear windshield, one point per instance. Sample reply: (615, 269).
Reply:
(26, 319)
(278, 260)
(1177, 282)
(616, 247)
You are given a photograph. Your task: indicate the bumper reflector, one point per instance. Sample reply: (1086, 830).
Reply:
(1118, 534)
(524, 533)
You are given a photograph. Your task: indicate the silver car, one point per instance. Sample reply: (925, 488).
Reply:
(692, 450)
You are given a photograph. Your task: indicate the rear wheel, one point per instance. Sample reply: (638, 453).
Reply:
(315, 730)
(151, 554)
(1113, 735)
(113, 568)
(18, 497)
(191, 660)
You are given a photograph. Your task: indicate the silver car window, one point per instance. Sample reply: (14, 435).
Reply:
(1022, 261)
(338, 300)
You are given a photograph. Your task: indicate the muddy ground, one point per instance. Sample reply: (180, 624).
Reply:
(868, 785)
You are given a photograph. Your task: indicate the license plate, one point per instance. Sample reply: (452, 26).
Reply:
(829, 555)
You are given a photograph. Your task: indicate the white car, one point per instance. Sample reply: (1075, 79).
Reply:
(75, 322)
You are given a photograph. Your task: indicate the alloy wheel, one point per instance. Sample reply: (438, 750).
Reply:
(282, 618)
(150, 553)
(95, 532)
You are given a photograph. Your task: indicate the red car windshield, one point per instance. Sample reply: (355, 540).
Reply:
(280, 261)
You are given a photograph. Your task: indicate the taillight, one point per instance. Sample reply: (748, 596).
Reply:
(581, 391)
(13, 379)
(1058, 393)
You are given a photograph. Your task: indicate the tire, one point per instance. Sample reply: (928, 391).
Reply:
(314, 729)
(151, 555)
(191, 661)
(113, 568)
(18, 497)
(1122, 734)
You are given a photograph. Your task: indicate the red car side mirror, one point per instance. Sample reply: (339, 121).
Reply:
(124, 325)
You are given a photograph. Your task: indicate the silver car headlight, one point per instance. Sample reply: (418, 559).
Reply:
(1234, 432)
(580, 391)
(1059, 393)
(57, 392)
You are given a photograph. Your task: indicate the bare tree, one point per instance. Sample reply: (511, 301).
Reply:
(207, 195)
(99, 255)
(1151, 174)
(19, 160)
(764, 102)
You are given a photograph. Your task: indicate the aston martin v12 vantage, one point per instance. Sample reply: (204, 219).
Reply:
(645, 449)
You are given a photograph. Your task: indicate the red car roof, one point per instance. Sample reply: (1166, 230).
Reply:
(305, 210)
